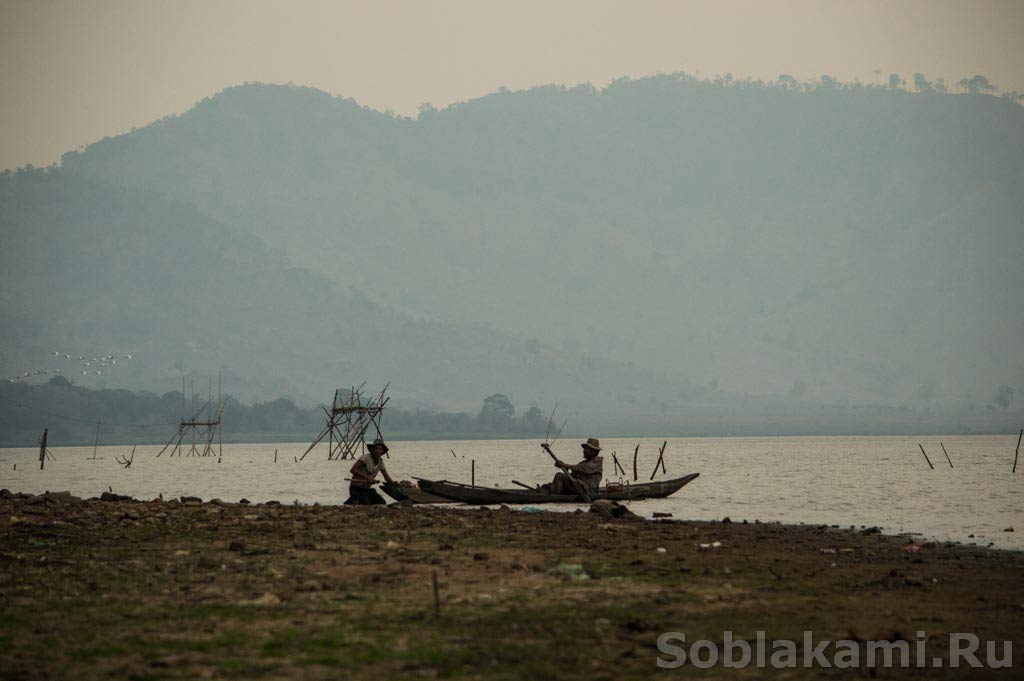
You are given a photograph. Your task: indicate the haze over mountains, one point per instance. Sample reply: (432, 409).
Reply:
(634, 250)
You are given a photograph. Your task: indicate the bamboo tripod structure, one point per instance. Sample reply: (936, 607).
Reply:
(203, 432)
(347, 423)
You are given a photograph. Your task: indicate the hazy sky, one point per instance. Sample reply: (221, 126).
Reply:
(74, 72)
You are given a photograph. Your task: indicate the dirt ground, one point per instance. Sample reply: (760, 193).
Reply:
(165, 589)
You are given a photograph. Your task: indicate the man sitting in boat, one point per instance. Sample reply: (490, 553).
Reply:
(364, 475)
(587, 473)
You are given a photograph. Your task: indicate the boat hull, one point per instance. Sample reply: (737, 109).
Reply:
(413, 494)
(469, 494)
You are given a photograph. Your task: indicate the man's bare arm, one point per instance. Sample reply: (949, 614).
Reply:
(359, 472)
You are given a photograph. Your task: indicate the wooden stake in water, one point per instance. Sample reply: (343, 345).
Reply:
(472, 472)
(42, 450)
(1016, 452)
(660, 461)
(635, 452)
(97, 443)
(947, 454)
(618, 466)
(926, 456)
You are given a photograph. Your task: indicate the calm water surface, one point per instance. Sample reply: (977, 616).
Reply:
(881, 481)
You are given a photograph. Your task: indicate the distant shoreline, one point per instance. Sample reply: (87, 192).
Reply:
(305, 438)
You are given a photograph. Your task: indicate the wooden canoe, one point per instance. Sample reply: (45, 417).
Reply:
(469, 494)
(411, 493)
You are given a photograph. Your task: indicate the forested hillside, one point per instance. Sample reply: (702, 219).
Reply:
(74, 414)
(843, 243)
(89, 268)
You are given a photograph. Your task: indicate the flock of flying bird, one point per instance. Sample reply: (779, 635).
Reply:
(86, 369)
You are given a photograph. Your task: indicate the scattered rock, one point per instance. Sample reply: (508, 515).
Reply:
(110, 496)
(207, 562)
(611, 508)
(1008, 529)
(726, 520)
(659, 514)
(265, 599)
(871, 530)
(569, 571)
(244, 501)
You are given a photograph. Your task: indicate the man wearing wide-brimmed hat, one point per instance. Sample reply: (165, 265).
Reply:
(587, 473)
(364, 475)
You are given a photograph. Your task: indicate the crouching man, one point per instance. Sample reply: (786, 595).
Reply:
(364, 475)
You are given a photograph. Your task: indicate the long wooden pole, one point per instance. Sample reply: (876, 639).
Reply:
(947, 454)
(220, 416)
(1016, 452)
(926, 456)
(42, 450)
(635, 452)
(660, 461)
(97, 443)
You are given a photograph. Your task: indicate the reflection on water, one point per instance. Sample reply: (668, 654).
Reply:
(880, 481)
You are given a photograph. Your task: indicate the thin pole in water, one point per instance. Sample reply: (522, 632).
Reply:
(1016, 452)
(635, 452)
(926, 456)
(947, 454)
(472, 472)
(97, 443)
(660, 461)
(42, 450)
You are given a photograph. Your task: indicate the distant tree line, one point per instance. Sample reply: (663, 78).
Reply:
(71, 414)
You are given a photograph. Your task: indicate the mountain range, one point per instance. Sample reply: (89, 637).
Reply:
(645, 249)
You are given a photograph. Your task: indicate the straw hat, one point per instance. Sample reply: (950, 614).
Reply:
(378, 441)
(592, 443)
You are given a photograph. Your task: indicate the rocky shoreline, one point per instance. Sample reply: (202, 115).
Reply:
(190, 589)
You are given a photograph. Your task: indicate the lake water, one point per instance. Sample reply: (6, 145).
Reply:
(881, 481)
